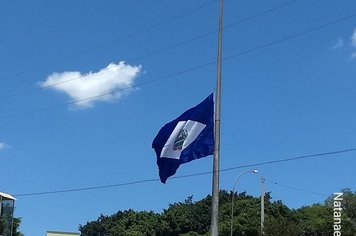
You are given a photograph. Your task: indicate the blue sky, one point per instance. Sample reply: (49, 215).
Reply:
(292, 98)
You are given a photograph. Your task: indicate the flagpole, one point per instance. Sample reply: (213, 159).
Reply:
(214, 227)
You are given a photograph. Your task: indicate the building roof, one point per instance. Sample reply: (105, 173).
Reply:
(6, 195)
(55, 233)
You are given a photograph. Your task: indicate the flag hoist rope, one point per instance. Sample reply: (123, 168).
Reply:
(216, 161)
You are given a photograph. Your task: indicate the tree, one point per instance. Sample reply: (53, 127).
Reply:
(125, 223)
(186, 217)
(348, 211)
(246, 214)
(189, 218)
(316, 220)
(16, 227)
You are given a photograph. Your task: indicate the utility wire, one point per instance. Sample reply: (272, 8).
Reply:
(228, 58)
(307, 31)
(157, 51)
(296, 189)
(111, 42)
(310, 156)
(103, 94)
(80, 27)
(293, 159)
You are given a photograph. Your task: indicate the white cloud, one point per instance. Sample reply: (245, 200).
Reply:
(339, 44)
(3, 145)
(353, 39)
(353, 56)
(100, 86)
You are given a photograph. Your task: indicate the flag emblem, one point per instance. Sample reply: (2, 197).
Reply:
(188, 137)
(178, 143)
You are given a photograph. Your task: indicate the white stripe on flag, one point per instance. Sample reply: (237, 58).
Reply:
(193, 128)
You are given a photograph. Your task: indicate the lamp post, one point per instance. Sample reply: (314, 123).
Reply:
(232, 197)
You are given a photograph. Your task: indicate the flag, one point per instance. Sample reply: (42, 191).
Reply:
(189, 137)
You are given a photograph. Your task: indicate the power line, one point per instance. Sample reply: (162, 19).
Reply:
(228, 58)
(294, 158)
(87, 188)
(80, 27)
(104, 94)
(158, 51)
(296, 189)
(110, 42)
(313, 29)
(317, 155)
(260, 13)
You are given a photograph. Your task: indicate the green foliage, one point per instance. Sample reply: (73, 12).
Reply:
(189, 218)
(15, 227)
(246, 219)
(348, 211)
(126, 223)
(185, 218)
(316, 220)
(279, 219)
(349, 206)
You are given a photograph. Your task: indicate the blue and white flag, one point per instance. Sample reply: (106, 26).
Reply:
(189, 137)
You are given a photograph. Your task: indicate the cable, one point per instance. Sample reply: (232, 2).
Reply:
(296, 189)
(111, 42)
(189, 69)
(87, 188)
(104, 94)
(186, 176)
(294, 158)
(157, 51)
(80, 27)
(294, 35)
(260, 13)
(135, 2)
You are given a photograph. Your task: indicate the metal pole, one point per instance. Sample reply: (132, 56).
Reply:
(262, 205)
(214, 227)
(1, 221)
(232, 198)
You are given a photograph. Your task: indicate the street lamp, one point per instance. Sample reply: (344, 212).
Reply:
(232, 197)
